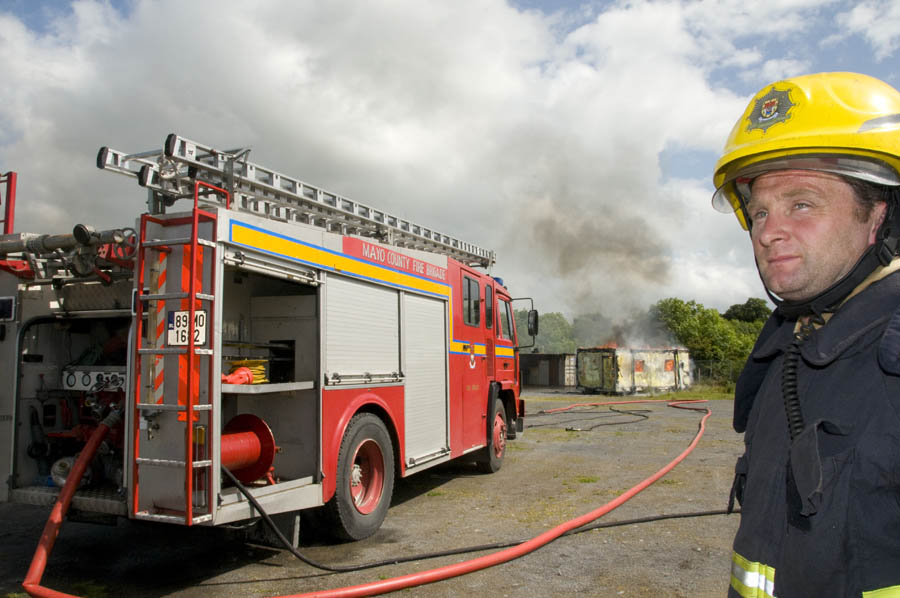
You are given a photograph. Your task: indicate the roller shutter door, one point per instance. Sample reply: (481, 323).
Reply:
(426, 376)
(361, 328)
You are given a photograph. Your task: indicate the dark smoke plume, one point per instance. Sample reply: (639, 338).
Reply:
(604, 258)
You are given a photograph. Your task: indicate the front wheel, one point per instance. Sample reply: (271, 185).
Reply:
(490, 458)
(365, 479)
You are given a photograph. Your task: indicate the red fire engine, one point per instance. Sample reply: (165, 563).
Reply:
(313, 346)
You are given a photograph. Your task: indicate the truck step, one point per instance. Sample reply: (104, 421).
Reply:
(170, 518)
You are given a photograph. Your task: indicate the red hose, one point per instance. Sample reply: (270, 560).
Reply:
(32, 583)
(514, 552)
(51, 529)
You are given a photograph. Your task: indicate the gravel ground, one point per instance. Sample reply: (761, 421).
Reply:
(551, 474)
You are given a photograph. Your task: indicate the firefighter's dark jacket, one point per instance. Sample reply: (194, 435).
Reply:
(834, 529)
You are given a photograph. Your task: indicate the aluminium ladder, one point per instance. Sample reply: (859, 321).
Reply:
(157, 495)
(170, 173)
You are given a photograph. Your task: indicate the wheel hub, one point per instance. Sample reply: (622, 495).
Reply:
(499, 439)
(366, 479)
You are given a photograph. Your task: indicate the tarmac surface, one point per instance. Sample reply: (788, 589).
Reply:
(565, 465)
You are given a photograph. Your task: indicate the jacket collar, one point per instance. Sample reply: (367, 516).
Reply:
(851, 322)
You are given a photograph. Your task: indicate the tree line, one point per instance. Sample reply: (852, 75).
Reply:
(721, 339)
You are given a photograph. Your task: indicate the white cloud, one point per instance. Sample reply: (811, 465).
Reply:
(505, 128)
(878, 21)
(718, 264)
(738, 18)
(776, 69)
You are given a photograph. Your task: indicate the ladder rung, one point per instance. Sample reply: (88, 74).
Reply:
(177, 241)
(164, 242)
(156, 517)
(174, 351)
(170, 518)
(159, 462)
(171, 462)
(171, 296)
(163, 296)
(166, 407)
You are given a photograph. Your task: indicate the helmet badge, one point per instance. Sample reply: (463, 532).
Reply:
(774, 107)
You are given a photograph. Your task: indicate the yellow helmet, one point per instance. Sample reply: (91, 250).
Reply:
(844, 123)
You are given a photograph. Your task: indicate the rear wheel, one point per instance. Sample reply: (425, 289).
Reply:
(490, 458)
(365, 479)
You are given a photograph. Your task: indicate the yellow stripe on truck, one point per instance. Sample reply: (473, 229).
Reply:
(250, 236)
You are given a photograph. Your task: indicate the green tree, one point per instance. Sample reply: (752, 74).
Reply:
(753, 310)
(708, 335)
(747, 330)
(554, 332)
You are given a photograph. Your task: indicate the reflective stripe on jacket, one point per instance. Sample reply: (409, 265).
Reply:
(752, 580)
(891, 592)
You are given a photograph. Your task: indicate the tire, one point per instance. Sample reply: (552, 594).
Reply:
(365, 479)
(490, 458)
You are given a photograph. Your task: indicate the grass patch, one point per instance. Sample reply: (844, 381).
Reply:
(588, 479)
(711, 392)
(558, 398)
(455, 493)
(670, 482)
(545, 511)
(609, 492)
(701, 391)
(90, 589)
(552, 435)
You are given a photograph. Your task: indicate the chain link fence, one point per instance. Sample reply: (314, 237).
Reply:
(724, 371)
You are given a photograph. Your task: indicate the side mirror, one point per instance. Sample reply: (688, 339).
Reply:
(532, 322)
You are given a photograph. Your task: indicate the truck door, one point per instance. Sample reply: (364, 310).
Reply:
(474, 383)
(505, 370)
(489, 333)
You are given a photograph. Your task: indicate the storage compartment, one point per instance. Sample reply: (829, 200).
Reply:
(272, 326)
(70, 371)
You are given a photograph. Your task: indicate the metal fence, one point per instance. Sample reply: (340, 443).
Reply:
(717, 371)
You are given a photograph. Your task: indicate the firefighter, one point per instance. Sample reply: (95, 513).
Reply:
(812, 171)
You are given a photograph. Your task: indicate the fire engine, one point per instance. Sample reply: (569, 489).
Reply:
(249, 324)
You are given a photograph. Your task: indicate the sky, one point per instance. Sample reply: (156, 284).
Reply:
(575, 139)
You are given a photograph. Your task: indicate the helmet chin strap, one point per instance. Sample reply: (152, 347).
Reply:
(880, 253)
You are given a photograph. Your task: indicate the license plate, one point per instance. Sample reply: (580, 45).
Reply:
(178, 328)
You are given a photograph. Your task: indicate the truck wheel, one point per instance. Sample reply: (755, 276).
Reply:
(365, 479)
(490, 458)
